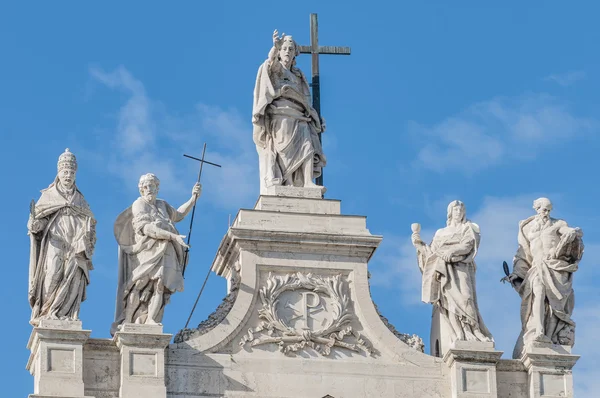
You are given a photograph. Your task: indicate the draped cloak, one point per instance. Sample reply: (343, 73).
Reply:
(286, 126)
(60, 254)
(451, 286)
(557, 278)
(142, 257)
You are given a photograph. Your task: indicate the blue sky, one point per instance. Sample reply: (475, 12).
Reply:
(494, 105)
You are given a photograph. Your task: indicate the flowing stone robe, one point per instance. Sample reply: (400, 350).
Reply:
(144, 260)
(286, 126)
(553, 276)
(450, 286)
(61, 254)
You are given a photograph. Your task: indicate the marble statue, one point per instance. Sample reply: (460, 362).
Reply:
(286, 126)
(448, 267)
(62, 233)
(548, 254)
(151, 254)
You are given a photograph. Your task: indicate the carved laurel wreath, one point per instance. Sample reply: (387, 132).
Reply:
(291, 340)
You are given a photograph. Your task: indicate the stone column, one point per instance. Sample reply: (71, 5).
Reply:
(56, 359)
(550, 369)
(473, 369)
(142, 360)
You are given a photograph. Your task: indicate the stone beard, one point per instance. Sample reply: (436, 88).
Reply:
(62, 232)
(286, 126)
(548, 254)
(448, 266)
(151, 255)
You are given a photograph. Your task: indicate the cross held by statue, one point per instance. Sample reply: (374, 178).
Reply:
(314, 49)
(189, 237)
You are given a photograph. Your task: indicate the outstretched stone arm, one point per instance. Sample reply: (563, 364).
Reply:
(423, 250)
(185, 208)
(273, 54)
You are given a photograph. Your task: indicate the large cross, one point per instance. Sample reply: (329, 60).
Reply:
(315, 50)
(189, 237)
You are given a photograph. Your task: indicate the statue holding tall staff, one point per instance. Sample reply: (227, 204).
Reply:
(151, 254)
(62, 230)
(286, 126)
(448, 267)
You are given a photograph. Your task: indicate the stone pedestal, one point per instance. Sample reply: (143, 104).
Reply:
(472, 369)
(295, 192)
(142, 349)
(56, 360)
(549, 368)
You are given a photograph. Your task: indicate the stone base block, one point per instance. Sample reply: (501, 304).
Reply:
(473, 369)
(295, 192)
(549, 368)
(56, 359)
(298, 205)
(142, 350)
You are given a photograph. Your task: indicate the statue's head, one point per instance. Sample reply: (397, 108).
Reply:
(67, 168)
(456, 212)
(542, 206)
(288, 51)
(148, 186)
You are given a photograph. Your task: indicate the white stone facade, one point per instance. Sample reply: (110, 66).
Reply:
(298, 321)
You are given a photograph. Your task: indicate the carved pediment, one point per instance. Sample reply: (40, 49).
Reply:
(305, 310)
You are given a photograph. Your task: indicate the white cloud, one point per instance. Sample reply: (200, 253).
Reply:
(499, 304)
(566, 79)
(496, 131)
(148, 138)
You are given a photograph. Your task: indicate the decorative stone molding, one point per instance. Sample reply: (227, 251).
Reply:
(337, 332)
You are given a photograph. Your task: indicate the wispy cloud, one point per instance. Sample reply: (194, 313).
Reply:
(148, 138)
(499, 304)
(566, 79)
(497, 131)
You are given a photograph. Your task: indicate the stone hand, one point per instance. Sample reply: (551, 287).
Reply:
(447, 257)
(197, 191)
(416, 240)
(510, 278)
(34, 226)
(276, 39)
(180, 240)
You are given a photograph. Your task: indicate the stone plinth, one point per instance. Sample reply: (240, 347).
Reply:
(295, 192)
(56, 360)
(472, 369)
(142, 349)
(550, 369)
